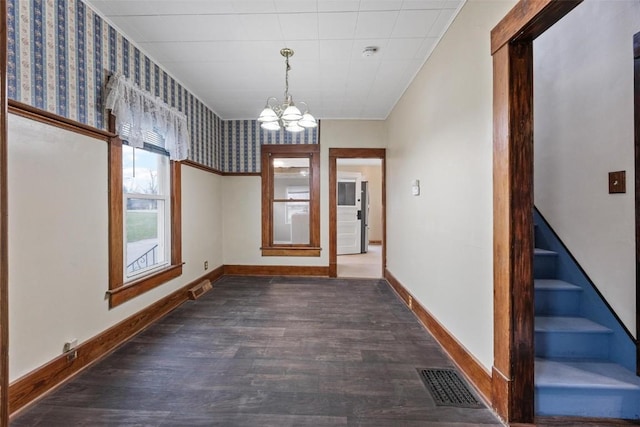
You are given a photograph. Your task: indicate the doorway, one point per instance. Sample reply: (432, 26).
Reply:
(359, 238)
(359, 217)
(512, 379)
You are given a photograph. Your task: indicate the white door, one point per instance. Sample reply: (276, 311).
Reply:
(348, 224)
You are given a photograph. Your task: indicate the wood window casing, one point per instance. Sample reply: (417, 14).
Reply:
(119, 291)
(269, 153)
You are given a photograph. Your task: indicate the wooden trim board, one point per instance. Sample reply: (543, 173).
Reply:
(40, 381)
(468, 364)
(4, 262)
(275, 270)
(33, 113)
(353, 153)
(512, 50)
(35, 384)
(636, 145)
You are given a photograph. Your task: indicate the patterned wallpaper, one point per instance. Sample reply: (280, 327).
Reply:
(60, 53)
(242, 139)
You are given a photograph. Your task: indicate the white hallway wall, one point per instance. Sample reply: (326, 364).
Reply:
(242, 196)
(440, 244)
(58, 236)
(583, 109)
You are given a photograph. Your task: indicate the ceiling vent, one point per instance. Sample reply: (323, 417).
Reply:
(369, 51)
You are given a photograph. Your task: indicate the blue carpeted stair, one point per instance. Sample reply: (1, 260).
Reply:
(585, 359)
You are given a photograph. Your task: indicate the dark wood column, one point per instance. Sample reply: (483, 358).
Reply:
(512, 50)
(513, 232)
(636, 121)
(4, 283)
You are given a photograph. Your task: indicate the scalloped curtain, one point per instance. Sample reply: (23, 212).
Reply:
(141, 112)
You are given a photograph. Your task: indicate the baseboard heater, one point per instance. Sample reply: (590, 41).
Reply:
(200, 289)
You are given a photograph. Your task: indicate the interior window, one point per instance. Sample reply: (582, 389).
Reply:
(290, 200)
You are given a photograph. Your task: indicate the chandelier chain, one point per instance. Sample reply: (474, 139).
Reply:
(286, 78)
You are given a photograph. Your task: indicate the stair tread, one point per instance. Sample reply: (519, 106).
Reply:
(592, 374)
(545, 252)
(554, 284)
(568, 324)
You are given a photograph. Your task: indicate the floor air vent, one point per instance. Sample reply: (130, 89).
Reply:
(448, 389)
(200, 289)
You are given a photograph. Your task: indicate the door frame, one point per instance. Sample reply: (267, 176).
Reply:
(352, 153)
(4, 265)
(636, 125)
(512, 378)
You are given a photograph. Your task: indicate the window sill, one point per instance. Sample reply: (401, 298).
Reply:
(291, 251)
(131, 290)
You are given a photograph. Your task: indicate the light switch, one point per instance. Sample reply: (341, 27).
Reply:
(617, 182)
(415, 187)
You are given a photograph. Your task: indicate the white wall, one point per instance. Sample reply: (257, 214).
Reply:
(583, 109)
(58, 254)
(440, 243)
(241, 195)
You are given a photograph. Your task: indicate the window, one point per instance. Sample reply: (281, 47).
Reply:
(146, 188)
(144, 218)
(346, 192)
(291, 200)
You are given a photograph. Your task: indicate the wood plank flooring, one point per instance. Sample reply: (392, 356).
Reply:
(266, 351)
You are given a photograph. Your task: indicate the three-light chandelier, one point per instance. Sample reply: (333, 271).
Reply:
(276, 116)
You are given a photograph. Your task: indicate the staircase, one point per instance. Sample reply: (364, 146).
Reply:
(585, 358)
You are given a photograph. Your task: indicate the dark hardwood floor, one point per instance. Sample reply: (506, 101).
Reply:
(260, 351)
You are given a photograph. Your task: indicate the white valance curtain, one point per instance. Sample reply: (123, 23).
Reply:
(139, 112)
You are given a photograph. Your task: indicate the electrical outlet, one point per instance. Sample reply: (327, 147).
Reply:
(206, 265)
(70, 351)
(70, 345)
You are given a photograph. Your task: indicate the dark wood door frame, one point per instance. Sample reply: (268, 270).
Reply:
(512, 50)
(636, 120)
(4, 266)
(352, 153)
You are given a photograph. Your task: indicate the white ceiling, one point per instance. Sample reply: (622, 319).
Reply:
(227, 52)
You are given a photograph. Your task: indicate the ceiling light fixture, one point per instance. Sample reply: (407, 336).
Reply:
(286, 115)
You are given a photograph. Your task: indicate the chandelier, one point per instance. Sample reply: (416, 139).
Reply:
(276, 116)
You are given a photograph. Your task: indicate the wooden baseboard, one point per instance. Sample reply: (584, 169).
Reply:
(468, 364)
(500, 385)
(35, 384)
(375, 242)
(275, 270)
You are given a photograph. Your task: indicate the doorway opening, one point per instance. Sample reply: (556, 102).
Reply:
(357, 215)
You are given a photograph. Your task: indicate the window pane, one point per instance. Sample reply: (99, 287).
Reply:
(291, 223)
(144, 172)
(144, 237)
(289, 173)
(346, 193)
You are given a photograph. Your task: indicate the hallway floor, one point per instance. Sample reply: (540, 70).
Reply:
(260, 351)
(367, 265)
